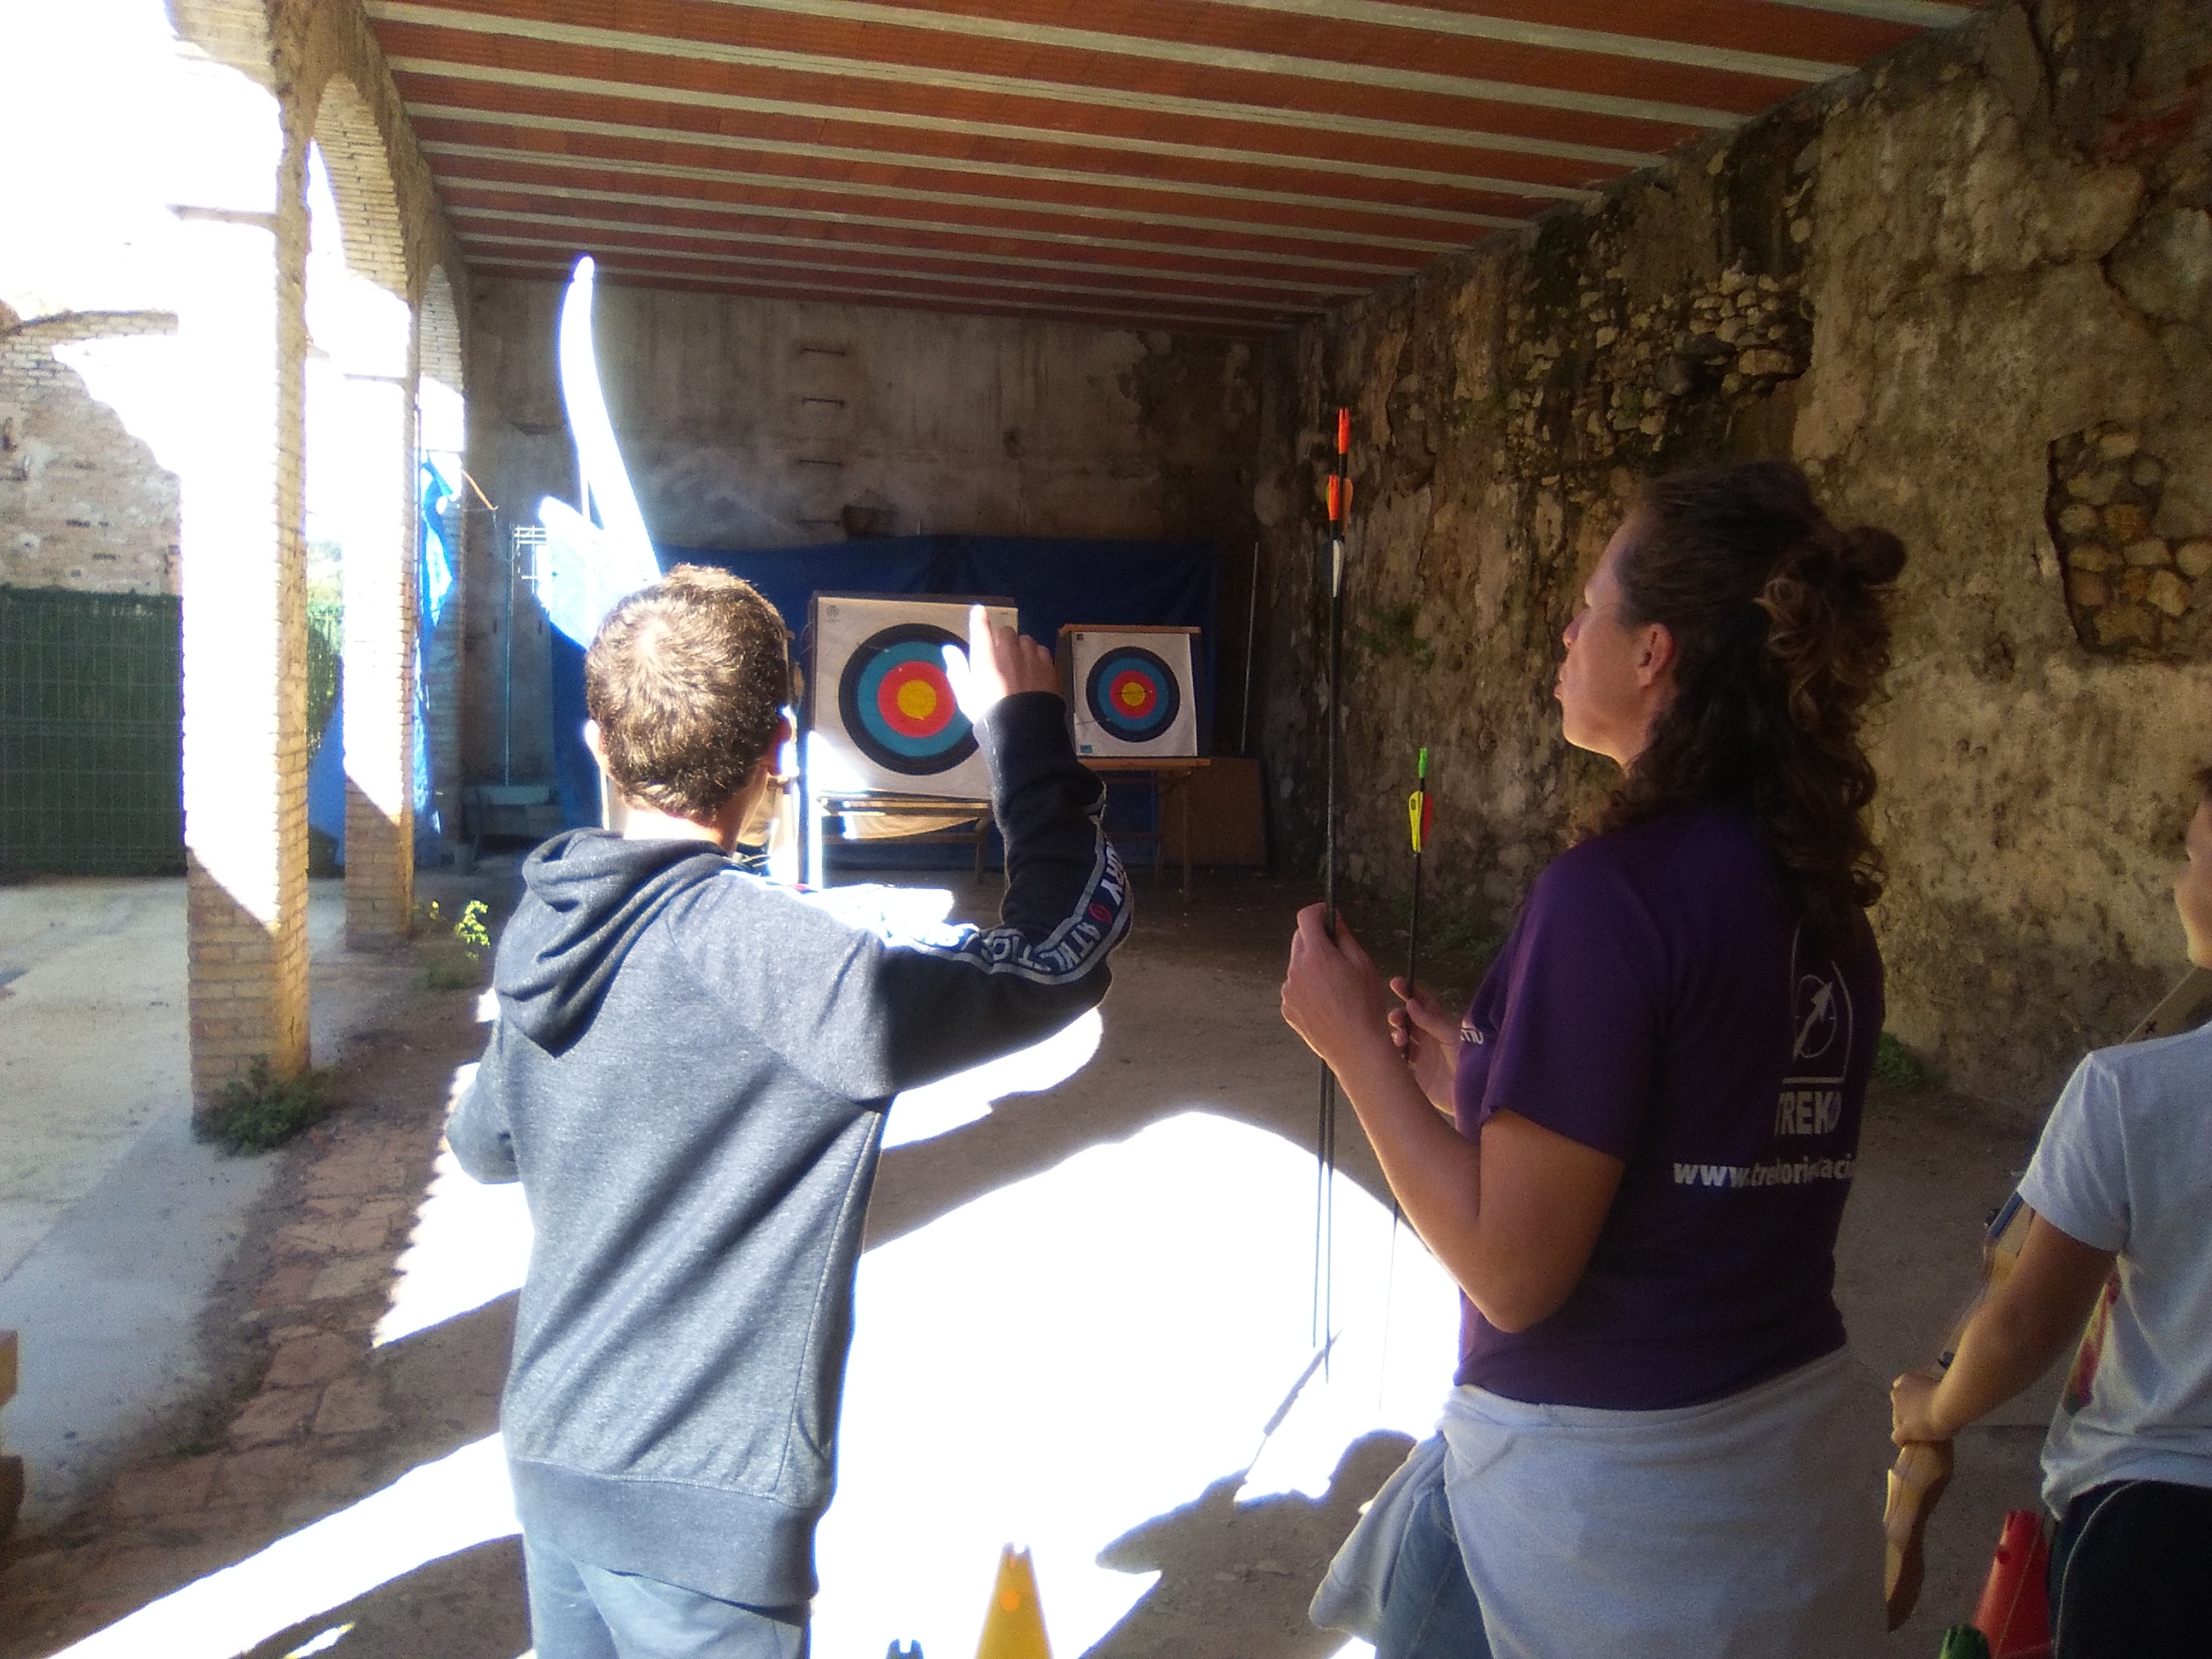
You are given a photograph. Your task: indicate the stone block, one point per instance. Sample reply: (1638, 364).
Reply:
(168, 1489)
(2169, 593)
(273, 1414)
(312, 1360)
(2164, 265)
(2127, 521)
(352, 1405)
(288, 1287)
(350, 1277)
(263, 1475)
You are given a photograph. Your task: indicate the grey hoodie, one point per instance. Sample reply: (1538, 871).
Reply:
(688, 1076)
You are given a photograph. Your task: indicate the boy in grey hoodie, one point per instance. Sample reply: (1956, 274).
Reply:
(689, 1075)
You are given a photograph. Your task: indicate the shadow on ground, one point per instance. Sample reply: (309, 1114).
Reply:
(468, 1605)
(1235, 1581)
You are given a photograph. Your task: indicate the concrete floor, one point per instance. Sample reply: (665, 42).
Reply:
(1191, 1028)
(114, 1225)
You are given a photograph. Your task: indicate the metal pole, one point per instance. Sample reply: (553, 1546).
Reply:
(507, 670)
(1251, 627)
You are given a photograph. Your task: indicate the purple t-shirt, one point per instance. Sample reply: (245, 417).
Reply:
(1657, 1001)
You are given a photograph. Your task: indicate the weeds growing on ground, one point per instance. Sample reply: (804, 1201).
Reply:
(456, 953)
(257, 1112)
(1900, 1067)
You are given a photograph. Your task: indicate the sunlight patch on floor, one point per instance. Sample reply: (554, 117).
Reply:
(1063, 1359)
(1052, 1364)
(936, 1108)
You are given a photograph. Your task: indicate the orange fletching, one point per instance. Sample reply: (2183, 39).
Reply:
(1337, 493)
(1344, 432)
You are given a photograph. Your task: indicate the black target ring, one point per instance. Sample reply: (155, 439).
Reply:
(897, 702)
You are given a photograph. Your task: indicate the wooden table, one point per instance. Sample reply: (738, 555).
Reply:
(837, 802)
(1170, 778)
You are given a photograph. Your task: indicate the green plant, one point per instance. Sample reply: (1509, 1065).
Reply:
(326, 641)
(259, 1112)
(1900, 1067)
(470, 931)
(456, 953)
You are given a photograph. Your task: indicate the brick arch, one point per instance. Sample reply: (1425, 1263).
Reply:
(354, 153)
(439, 323)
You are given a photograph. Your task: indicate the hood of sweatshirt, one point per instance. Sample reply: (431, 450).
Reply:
(588, 894)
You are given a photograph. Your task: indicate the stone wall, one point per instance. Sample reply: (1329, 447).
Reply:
(83, 502)
(1968, 290)
(763, 424)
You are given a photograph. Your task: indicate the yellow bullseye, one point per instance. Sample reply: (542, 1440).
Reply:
(916, 700)
(1132, 694)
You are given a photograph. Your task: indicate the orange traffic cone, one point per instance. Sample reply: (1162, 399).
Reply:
(2014, 1611)
(1014, 1627)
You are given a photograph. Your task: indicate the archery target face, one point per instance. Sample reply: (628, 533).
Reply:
(1131, 692)
(885, 708)
(897, 704)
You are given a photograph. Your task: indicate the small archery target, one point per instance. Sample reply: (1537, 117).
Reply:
(884, 717)
(1132, 694)
(1130, 691)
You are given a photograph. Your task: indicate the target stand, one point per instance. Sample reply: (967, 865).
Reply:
(886, 747)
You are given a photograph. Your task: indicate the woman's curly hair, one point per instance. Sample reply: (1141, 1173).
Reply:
(1782, 636)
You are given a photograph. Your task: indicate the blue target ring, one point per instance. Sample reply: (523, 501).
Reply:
(1132, 694)
(897, 704)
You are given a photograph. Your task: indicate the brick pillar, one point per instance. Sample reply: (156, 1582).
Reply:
(242, 572)
(379, 656)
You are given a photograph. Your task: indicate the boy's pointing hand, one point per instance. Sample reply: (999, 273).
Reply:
(997, 663)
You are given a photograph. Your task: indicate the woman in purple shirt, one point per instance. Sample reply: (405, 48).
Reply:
(1653, 1106)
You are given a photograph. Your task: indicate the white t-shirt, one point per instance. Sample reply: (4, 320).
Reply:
(2126, 1165)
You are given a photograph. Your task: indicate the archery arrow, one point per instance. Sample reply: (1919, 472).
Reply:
(1325, 1128)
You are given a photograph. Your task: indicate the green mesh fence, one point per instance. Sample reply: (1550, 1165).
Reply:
(91, 722)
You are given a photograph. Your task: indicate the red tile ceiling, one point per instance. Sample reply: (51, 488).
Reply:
(1224, 167)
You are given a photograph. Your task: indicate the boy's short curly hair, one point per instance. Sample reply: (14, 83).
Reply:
(686, 681)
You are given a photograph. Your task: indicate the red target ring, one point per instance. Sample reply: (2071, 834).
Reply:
(1134, 696)
(915, 699)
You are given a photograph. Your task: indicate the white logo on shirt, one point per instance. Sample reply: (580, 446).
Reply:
(1821, 1039)
(1816, 1017)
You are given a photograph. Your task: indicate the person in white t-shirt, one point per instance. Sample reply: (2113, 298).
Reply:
(2120, 1189)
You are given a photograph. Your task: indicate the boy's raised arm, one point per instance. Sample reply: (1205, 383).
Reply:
(868, 1015)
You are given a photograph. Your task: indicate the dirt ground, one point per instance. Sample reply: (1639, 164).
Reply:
(306, 1418)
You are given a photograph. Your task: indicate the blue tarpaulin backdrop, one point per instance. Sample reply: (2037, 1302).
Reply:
(1053, 584)
(433, 570)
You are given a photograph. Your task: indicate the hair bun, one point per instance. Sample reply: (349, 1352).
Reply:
(1873, 556)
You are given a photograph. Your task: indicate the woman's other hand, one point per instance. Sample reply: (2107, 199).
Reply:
(1912, 1408)
(1332, 994)
(1429, 1036)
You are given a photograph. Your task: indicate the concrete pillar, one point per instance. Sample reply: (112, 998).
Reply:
(243, 578)
(379, 653)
